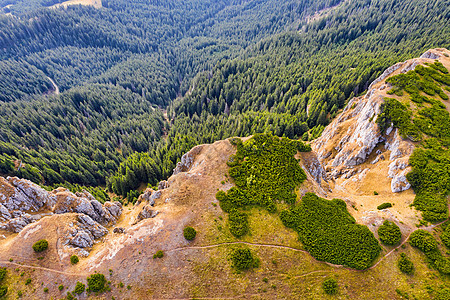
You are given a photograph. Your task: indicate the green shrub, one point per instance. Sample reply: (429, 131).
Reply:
(189, 233)
(70, 296)
(96, 283)
(405, 264)
(329, 232)
(40, 246)
(238, 223)
(79, 288)
(3, 272)
(384, 205)
(60, 287)
(330, 286)
(28, 281)
(445, 237)
(74, 259)
(158, 254)
(3, 290)
(45, 290)
(423, 240)
(243, 259)
(389, 233)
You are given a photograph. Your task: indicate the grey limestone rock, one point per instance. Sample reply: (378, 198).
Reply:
(82, 239)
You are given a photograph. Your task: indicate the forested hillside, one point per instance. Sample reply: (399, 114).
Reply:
(220, 68)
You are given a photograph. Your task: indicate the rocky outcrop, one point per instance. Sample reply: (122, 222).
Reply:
(164, 184)
(187, 160)
(24, 195)
(149, 196)
(85, 231)
(346, 144)
(23, 202)
(146, 213)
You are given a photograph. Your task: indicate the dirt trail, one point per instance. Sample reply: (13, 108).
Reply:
(5, 262)
(56, 91)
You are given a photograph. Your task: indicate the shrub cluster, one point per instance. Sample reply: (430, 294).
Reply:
(189, 233)
(74, 259)
(265, 172)
(158, 254)
(426, 242)
(329, 232)
(3, 288)
(238, 223)
(389, 233)
(384, 205)
(40, 246)
(445, 236)
(79, 288)
(405, 264)
(330, 286)
(243, 259)
(3, 272)
(96, 283)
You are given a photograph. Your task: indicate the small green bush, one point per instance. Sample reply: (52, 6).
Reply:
(238, 223)
(96, 283)
(3, 290)
(389, 233)
(3, 272)
(45, 290)
(70, 296)
(74, 259)
(330, 286)
(189, 233)
(384, 205)
(243, 259)
(60, 287)
(79, 288)
(405, 264)
(158, 254)
(28, 281)
(40, 246)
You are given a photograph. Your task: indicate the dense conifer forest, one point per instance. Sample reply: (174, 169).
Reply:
(141, 82)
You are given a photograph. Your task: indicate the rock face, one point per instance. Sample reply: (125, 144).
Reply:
(23, 202)
(346, 144)
(85, 231)
(187, 160)
(149, 196)
(146, 212)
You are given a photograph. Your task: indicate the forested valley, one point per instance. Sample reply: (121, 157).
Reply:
(142, 83)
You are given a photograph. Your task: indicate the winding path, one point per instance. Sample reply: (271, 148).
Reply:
(5, 262)
(56, 91)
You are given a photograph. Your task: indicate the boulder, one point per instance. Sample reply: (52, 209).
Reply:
(82, 240)
(164, 184)
(146, 213)
(187, 160)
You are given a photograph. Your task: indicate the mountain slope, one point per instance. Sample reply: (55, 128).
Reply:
(202, 268)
